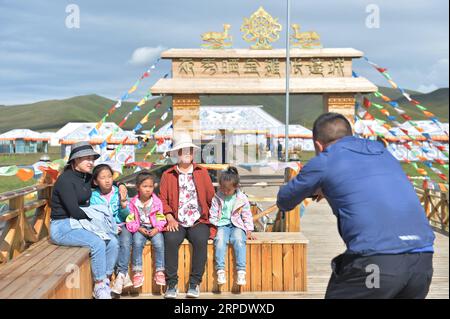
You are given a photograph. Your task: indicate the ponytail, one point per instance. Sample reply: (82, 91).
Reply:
(231, 174)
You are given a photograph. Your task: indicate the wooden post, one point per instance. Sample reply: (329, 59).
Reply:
(292, 218)
(343, 103)
(41, 222)
(18, 224)
(186, 114)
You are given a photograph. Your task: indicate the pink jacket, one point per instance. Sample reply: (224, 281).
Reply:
(157, 217)
(241, 216)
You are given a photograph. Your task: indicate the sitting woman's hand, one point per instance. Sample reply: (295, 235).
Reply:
(172, 224)
(143, 231)
(153, 232)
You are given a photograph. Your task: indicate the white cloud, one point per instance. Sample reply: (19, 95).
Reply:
(145, 55)
(427, 88)
(436, 77)
(439, 71)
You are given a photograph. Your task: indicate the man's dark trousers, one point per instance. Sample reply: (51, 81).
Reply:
(402, 276)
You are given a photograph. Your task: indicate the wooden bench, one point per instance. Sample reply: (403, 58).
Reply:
(47, 271)
(275, 262)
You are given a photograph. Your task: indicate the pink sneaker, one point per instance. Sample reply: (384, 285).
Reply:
(160, 278)
(138, 279)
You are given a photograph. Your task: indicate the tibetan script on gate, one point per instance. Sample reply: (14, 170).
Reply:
(260, 68)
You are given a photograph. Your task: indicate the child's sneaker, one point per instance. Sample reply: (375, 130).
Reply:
(221, 279)
(138, 279)
(241, 281)
(127, 283)
(160, 278)
(118, 284)
(102, 291)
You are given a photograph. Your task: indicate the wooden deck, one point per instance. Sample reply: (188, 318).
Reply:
(320, 228)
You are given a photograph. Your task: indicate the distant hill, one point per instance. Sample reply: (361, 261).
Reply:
(53, 114)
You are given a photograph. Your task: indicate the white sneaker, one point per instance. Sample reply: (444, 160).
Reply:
(127, 283)
(118, 284)
(221, 279)
(102, 291)
(241, 281)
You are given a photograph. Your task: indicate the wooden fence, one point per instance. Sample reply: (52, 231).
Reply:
(436, 208)
(25, 222)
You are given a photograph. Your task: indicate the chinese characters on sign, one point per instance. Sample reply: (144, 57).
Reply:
(300, 67)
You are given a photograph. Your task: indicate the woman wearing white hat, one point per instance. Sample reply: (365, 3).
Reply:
(186, 192)
(73, 190)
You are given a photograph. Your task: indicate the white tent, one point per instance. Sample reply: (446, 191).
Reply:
(23, 141)
(246, 124)
(83, 133)
(24, 134)
(300, 138)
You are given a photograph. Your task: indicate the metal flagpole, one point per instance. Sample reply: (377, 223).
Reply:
(288, 73)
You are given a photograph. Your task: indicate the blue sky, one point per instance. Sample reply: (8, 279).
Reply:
(40, 58)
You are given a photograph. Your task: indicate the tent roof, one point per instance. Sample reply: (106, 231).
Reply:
(24, 134)
(240, 119)
(295, 131)
(81, 132)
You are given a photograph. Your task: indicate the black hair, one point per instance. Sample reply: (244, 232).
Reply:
(98, 169)
(144, 175)
(330, 127)
(231, 174)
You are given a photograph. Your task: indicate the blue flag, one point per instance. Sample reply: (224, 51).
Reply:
(93, 132)
(138, 127)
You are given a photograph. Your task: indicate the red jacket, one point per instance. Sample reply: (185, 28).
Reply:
(169, 191)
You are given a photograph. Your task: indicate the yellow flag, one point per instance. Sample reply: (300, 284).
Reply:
(141, 102)
(144, 120)
(133, 88)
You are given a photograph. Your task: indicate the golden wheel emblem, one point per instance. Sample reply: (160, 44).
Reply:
(261, 28)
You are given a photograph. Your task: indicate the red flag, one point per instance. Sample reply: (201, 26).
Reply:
(406, 117)
(443, 176)
(407, 146)
(404, 131)
(160, 141)
(366, 103)
(368, 116)
(381, 70)
(111, 110)
(122, 122)
(50, 171)
(441, 148)
(414, 101)
(439, 161)
(146, 74)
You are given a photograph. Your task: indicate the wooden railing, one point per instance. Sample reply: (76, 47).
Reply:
(436, 208)
(24, 222)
